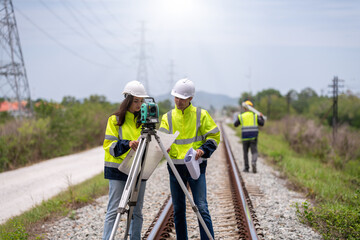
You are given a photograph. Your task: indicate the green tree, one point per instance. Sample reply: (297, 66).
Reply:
(273, 106)
(246, 96)
(291, 96)
(69, 101)
(305, 97)
(349, 110)
(164, 106)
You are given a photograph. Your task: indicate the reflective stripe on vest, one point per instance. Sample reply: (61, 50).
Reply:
(180, 146)
(114, 133)
(249, 130)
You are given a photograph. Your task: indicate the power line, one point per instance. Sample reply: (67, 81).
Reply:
(101, 24)
(74, 29)
(88, 33)
(61, 19)
(61, 44)
(12, 67)
(115, 19)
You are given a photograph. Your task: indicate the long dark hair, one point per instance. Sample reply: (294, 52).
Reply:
(124, 106)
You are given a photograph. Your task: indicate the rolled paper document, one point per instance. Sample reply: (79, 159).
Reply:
(192, 164)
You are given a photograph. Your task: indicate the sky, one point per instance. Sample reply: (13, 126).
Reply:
(84, 47)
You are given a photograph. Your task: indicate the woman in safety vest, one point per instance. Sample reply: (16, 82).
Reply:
(198, 131)
(122, 132)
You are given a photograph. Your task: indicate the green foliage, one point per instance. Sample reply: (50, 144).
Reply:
(164, 106)
(334, 221)
(336, 210)
(273, 106)
(305, 99)
(246, 96)
(349, 110)
(306, 103)
(69, 101)
(309, 137)
(56, 130)
(18, 232)
(5, 116)
(267, 92)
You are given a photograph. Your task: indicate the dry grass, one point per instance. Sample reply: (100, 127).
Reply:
(309, 137)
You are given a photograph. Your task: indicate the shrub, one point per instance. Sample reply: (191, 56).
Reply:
(57, 130)
(336, 222)
(307, 136)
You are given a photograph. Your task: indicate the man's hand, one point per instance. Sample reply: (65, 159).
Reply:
(199, 153)
(134, 145)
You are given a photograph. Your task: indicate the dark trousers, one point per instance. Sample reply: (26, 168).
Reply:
(252, 144)
(198, 189)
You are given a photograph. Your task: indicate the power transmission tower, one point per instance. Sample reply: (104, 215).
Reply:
(335, 93)
(14, 85)
(142, 70)
(171, 73)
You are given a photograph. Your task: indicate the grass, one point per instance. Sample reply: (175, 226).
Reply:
(335, 194)
(26, 225)
(334, 210)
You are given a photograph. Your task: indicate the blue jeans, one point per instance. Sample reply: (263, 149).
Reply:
(116, 188)
(198, 189)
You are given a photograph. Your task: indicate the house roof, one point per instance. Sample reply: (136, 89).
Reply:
(7, 106)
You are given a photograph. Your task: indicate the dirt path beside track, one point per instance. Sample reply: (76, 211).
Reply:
(23, 188)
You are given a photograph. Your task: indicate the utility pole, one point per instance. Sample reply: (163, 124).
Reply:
(142, 70)
(335, 93)
(14, 85)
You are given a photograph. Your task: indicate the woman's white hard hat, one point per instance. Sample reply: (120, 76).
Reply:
(136, 89)
(184, 88)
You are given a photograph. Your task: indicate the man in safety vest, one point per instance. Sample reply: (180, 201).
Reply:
(249, 134)
(198, 131)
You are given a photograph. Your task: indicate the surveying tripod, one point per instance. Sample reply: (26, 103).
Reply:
(131, 190)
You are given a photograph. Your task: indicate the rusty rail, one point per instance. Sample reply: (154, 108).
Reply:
(163, 224)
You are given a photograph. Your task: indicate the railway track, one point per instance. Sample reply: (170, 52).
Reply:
(231, 209)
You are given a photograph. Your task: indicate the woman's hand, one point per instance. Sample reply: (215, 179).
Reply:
(134, 145)
(199, 153)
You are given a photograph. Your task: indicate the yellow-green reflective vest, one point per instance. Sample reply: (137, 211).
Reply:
(195, 126)
(114, 133)
(249, 126)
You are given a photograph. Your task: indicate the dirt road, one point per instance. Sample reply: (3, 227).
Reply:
(26, 187)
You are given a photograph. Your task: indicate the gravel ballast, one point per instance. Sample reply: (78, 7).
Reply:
(272, 200)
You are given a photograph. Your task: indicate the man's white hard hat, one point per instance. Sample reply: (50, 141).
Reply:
(136, 89)
(184, 88)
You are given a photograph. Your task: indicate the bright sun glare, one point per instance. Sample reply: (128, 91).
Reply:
(180, 13)
(178, 6)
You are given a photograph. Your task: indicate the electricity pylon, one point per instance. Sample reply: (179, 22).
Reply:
(14, 85)
(142, 70)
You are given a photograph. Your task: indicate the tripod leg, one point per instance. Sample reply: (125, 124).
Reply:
(183, 187)
(130, 184)
(133, 202)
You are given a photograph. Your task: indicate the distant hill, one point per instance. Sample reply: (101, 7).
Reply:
(205, 100)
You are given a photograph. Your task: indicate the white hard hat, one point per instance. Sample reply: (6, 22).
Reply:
(184, 88)
(135, 88)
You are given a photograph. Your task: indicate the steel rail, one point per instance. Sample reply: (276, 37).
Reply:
(161, 221)
(161, 226)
